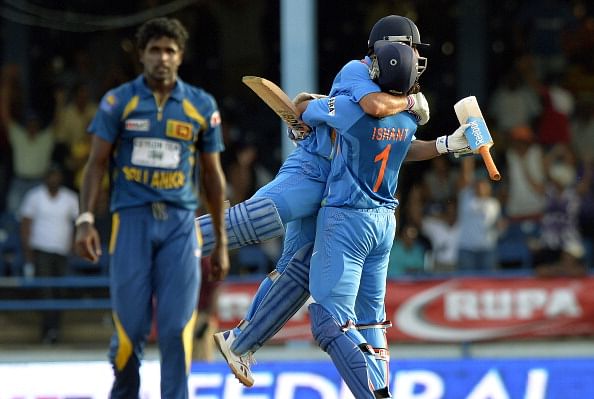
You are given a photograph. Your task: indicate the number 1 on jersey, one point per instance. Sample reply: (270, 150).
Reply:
(382, 156)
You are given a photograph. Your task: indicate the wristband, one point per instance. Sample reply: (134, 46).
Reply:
(441, 143)
(85, 217)
(410, 102)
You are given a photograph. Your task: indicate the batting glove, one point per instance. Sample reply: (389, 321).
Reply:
(304, 96)
(297, 135)
(455, 143)
(419, 107)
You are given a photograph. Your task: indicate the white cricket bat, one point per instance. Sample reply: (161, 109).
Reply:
(478, 136)
(277, 100)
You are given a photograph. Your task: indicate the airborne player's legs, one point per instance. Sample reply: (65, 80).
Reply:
(296, 192)
(357, 82)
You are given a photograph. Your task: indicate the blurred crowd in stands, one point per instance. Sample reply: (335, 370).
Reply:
(540, 109)
(540, 216)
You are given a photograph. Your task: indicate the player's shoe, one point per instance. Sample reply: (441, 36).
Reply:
(239, 365)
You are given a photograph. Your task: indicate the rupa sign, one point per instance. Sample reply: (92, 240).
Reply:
(458, 309)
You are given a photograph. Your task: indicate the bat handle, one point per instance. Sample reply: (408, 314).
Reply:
(489, 163)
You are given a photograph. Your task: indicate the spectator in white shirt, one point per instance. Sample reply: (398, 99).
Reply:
(525, 189)
(443, 231)
(47, 230)
(479, 218)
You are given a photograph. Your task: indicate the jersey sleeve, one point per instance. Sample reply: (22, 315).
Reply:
(353, 79)
(337, 112)
(106, 122)
(211, 140)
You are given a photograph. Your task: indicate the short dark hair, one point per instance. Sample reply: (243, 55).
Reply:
(161, 27)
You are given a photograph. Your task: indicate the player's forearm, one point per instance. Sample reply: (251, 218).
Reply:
(93, 173)
(301, 107)
(422, 150)
(214, 193)
(382, 104)
(91, 184)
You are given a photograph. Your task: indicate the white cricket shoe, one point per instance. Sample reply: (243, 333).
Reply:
(239, 365)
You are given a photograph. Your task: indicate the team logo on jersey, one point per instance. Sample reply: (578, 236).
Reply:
(138, 125)
(179, 130)
(331, 106)
(108, 103)
(215, 119)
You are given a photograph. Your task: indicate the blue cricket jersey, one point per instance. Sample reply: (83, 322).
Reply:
(352, 80)
(155, 147)
(369, 152)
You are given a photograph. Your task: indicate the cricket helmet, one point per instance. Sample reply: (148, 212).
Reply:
(395, 66)
(395, 28)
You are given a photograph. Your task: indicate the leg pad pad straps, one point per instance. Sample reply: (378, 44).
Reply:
(346, 354)
(375, 336)
(286, 296)
(250, 222)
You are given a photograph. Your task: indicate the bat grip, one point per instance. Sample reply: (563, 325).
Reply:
(489, 163)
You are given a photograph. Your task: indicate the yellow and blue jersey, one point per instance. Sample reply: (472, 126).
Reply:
(369, 152)
(156, 145)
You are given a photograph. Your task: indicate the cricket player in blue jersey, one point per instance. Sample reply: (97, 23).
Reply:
(150, 131)
(294, 197)
(356, 223)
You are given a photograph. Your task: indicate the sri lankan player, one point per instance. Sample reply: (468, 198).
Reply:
(150, 131)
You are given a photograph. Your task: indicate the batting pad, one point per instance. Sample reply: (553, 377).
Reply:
(285, 297)
(250, 222)
(349, 359)
(376, 337)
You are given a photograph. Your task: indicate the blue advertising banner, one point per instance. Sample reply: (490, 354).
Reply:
(411, 379)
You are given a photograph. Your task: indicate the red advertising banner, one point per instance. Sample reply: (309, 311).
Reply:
(457, 309)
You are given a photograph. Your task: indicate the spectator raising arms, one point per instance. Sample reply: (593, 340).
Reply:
(31, 144)
(479, 216)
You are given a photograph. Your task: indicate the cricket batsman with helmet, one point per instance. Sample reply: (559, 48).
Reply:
(294, 198)
(356, 224)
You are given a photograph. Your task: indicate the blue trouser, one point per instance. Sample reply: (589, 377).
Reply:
(298, 187)
(297, 192)
(349, 268)
(155, 261)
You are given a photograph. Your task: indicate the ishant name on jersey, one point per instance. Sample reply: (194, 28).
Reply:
(389, 133)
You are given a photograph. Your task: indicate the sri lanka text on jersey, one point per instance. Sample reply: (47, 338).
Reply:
(158, 179)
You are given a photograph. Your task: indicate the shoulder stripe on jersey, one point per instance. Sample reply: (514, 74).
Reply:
(131, 106)
(193, 113)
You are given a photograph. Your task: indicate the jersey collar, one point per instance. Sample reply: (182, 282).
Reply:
(177, 93)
